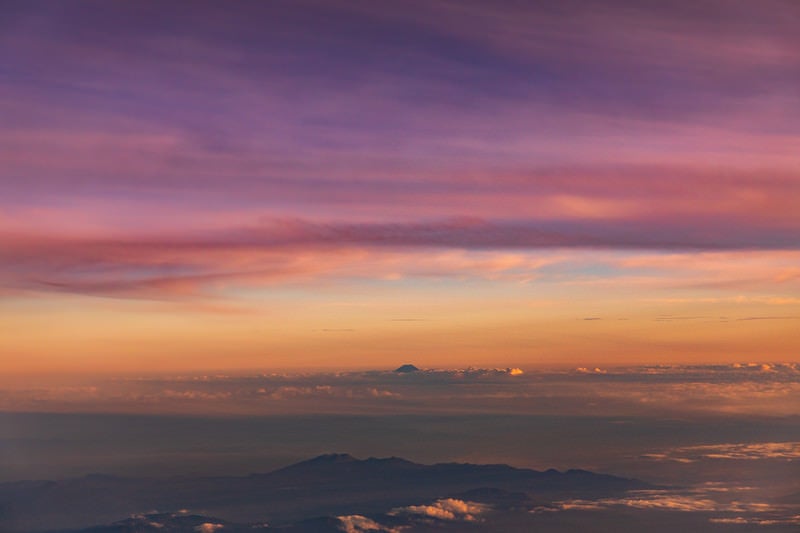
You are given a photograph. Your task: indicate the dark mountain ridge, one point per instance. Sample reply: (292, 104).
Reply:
(327, 485)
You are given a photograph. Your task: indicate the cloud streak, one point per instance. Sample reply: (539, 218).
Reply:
(733, 451)
(288, 250)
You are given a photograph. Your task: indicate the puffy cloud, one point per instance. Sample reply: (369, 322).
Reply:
(595, 370)
(445, 509)
(360, 524)
(208, 527)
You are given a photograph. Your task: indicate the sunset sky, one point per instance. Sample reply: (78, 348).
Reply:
(348, 184)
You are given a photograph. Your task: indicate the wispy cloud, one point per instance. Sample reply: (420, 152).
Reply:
(711, 500)
(757, 520)
(732, 451)
(666, 502)
(291, 251)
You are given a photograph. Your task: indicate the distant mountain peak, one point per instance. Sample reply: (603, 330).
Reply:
(388, 461)
(319, 463)
(328, 458)
(406, 369)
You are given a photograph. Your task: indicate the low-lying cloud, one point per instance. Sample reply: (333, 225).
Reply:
(731, 451)
(713, 500)
(361, 524)
(449, 509)
(209, 527)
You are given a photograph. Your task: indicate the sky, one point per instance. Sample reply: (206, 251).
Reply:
(315, 185)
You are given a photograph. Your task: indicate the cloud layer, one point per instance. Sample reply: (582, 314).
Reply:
(738, 389)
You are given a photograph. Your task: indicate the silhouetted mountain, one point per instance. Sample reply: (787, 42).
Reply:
(328, 485)
(406, 369)
(344, 469)
(791, 499)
